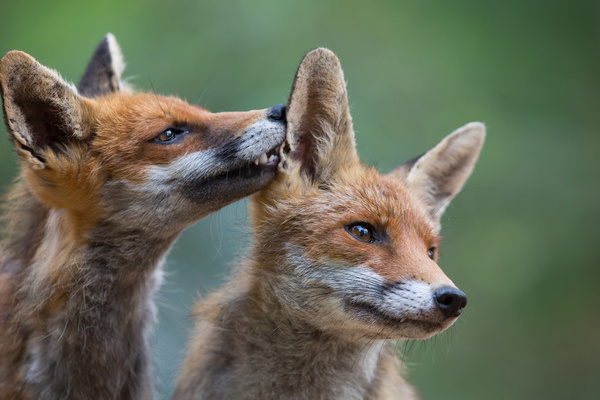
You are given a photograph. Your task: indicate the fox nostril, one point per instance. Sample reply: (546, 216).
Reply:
(450, 301)
(276, 112)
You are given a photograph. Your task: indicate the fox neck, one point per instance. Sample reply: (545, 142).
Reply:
(130, 255)
(281, 356)
(95, 291)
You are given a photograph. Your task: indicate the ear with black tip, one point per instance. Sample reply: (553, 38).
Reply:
(103, 73)
(41, 110)
(320, 133)
(438, 175)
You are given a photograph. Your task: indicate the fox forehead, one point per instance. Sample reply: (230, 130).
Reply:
(319, 216)
(378, 200)
(141, 117)
(123, 106)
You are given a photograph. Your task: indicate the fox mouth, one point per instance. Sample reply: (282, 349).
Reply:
(373, 313)
(267, 162)
(239, 180)
(269, 159)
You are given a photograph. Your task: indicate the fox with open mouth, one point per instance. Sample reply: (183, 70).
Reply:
(109, 179)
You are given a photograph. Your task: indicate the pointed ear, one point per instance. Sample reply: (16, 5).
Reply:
(438, 175)
(320, 132)
(41, 110)
(103, 73)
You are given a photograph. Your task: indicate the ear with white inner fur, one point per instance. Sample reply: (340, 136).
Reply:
(438, 175)
(103, 73)
(41, 110)
(320, 132)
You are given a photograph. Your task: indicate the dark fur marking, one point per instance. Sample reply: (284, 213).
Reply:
(99, 77)
(231, 150)
(229, 186)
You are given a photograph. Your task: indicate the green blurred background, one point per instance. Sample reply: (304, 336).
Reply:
(522, 239)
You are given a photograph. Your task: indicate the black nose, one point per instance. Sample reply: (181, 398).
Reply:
(276, 112)
(450, 300)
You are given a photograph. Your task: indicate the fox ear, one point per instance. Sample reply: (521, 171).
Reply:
(41, 110)
(438, 175)
(320, 132)
(103, 73)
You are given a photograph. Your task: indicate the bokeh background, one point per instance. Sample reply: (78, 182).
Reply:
(522, 239)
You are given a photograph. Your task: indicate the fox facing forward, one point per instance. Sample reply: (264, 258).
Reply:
(343, 263)
(109, 178)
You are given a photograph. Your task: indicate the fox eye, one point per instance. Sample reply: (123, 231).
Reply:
(361, 231)
(169, 135)
(432, 251)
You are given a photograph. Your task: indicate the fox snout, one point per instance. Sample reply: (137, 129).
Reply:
(406, 309)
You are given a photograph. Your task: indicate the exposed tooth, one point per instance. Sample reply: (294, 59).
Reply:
(256, 161)
(263, 158)
(273, 157)
(403, 320)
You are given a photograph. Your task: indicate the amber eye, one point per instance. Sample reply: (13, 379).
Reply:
(361, 231)
(432, 252)
(169, 135)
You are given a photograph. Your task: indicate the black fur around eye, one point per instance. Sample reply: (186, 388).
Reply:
(361, 231)
(169, 135)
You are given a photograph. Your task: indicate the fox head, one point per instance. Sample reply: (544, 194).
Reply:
(142, 161)
(344, 248)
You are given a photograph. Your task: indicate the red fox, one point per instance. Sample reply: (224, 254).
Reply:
(109, 178)
(343, 263)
